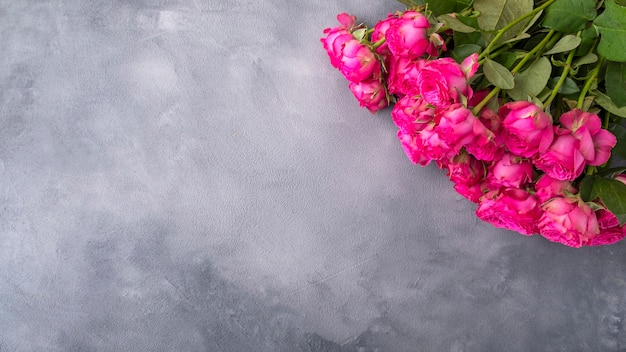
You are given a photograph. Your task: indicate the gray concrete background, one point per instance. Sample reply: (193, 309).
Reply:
(193, 175)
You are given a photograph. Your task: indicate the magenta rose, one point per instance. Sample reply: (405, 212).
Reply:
(510, 171)
(358, 62)
(547, 188)
(568, 220)
(607, 236)
(510, 208)
(441, 82)
(434, 146)
(595, 143)
(467, 174)
(403, 74)
(610, 229)
(412, 113)
(456, 126)
(380, 32)
(371, 94)
(563, 160)
(435, 44)
(337, 37)
(413, 148)
(527, 130)
(408, 35)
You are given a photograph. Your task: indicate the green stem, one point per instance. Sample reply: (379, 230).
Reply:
(515, 69)
(532, 53)
(494, 92)
(566, 69)
(511, 25)
(380, 42)
(593, 77)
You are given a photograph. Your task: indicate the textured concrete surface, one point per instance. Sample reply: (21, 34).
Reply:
(193, 175)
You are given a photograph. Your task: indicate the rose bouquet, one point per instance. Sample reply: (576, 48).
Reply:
(521, 102)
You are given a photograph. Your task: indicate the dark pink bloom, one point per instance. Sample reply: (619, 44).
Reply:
(563, 159)
(408, 35)
(595, 143)
(358, 62)
(371, 94)
(380, 32)
(441, 82)
(607, 236)
(547, 188)
(413, 148)
(568, 220)
(403, 75)
(456, 126)
(610, 230)
(510, 171)
(436, 43)
(527, 130)
(467, 174)
(510, 208)
(337, 37)
(412, 113)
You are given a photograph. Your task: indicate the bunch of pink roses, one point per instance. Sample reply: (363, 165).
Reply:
(521, 167)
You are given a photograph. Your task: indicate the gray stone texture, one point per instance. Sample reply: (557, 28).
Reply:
(193, 175)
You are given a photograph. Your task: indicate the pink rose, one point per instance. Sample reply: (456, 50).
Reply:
(413, 148)
(408, 35)
(563, 160)
(370, 94)
(337, 37)
(435, 43)
(412, 113)
(380, 32)
(547, 188)
(610, 230)
(510, 208)
(441, 82)
(527, 130)
(607, 236)
(467, 174)
(488, 145)
(456, 126)
(511, 171)
(435, 146)
(595, 143)
(358, 62)
(568, 220)
(402, 75)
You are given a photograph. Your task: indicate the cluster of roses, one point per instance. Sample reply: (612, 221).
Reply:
(515, 163)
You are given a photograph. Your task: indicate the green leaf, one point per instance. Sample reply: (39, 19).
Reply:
(588, 36)
(455, 24)
(359, 34)
(612, 26)
(569, 16)
(605, 101)
(620, 133)
(590, 58)
(461, 52)
(585, 187)
(496, 14)
(440, 7)
(531, 81)
(613, 195)
(468, 38)
(498, 75)
(615, 82)
(567, 43)
(568, 86)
